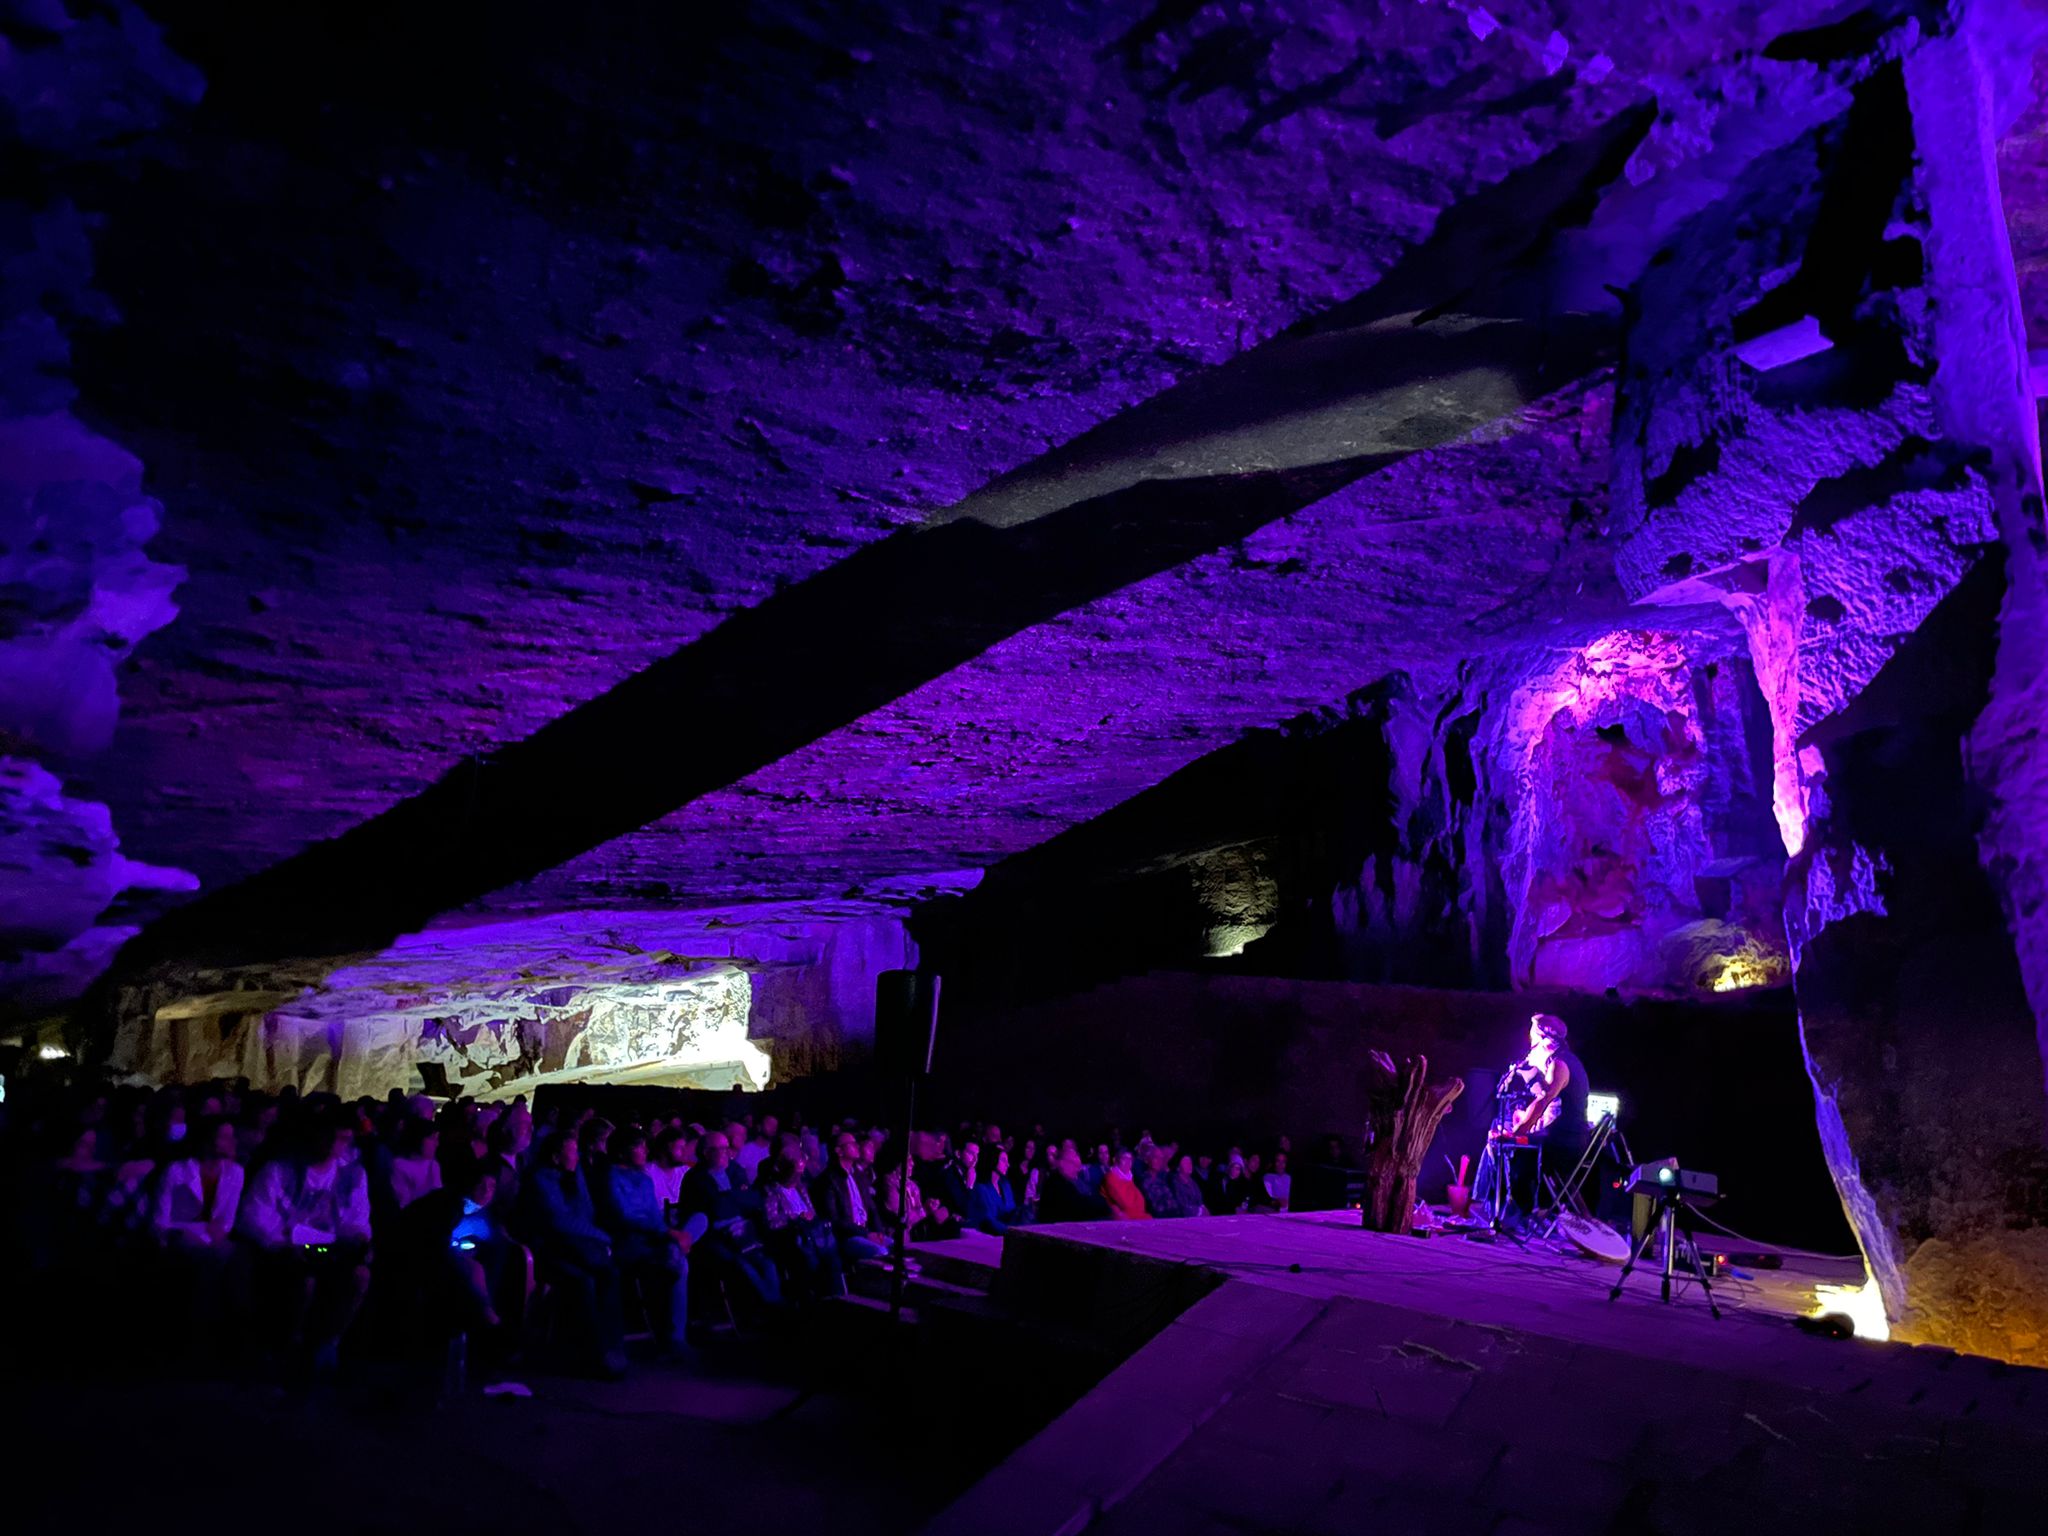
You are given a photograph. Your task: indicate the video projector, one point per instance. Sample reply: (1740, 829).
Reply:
(1665, 1177)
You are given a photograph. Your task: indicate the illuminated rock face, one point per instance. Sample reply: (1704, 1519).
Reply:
(1637, 849)
(711, 999)
(1871, 514)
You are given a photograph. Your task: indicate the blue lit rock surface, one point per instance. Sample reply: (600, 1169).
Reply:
(79, 584)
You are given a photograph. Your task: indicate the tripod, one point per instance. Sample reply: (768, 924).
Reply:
(1664, 1219)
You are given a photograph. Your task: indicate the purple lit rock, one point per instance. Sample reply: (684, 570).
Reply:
(78, 589)
(1871, 514)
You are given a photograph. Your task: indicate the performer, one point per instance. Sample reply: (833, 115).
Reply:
(1555, 1115)
(1553, 1071)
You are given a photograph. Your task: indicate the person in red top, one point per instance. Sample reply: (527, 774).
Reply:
(1126, 1203)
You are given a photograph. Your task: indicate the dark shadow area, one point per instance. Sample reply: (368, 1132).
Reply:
(1914, 1009)
(1237, 1060)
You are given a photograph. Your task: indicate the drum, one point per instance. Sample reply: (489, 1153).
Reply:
(1592, 1237)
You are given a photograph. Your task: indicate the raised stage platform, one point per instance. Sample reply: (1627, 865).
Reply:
(1298, 1374)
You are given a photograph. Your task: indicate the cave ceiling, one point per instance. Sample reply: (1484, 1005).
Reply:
(480, 363)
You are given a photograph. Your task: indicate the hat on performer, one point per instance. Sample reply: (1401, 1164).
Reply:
(1550, 1025)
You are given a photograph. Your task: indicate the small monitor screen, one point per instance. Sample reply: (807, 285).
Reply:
(1599, 1105)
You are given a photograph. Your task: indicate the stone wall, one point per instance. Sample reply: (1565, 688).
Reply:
(1827, 422)
(737, 997)
(78, 590)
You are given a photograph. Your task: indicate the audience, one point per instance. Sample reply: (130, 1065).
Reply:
(733, 1215)
(266, 1220)
(1120, 1191)
(847, 1204)
(991, 1202)
(575, 1254)
(652, 1255)
(308, 1218)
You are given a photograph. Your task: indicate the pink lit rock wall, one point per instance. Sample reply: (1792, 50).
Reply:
(1635, 855)
(1871, 513)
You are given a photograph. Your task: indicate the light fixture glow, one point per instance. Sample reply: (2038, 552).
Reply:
(1740, 972)
(51, 1053)
(1862, 1304)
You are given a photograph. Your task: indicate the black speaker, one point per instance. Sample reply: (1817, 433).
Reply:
(906, 1022)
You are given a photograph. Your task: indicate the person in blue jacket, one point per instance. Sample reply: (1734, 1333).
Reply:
(574, 1254)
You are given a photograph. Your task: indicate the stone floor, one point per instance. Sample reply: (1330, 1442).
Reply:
(748, 1439)
(1341, 1381)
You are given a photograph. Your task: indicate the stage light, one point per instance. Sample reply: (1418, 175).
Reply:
(1862, 1304)
(1601, 1105)
(51, 1053)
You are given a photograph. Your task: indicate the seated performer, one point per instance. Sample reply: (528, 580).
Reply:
(1555, 1115)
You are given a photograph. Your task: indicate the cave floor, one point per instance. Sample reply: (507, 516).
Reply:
(1338, 1380)
(744, 1440)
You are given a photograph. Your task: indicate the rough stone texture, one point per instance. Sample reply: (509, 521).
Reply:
(699, 313)
(484, 365)
(706, 999)
(77, 591)
(1862, 509)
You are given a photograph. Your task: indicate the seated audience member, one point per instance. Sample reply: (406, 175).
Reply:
(574, 1253)
(1279, 1184)
(1155, 1183)
(1022, 1166)
(1230, 1190)
(737, 1139)
(450, 1250)
(756, 1149)
(595, 1138)
(200, 1193)
(1120, 1191)
(1187, 1188)
(1255, 1180)
(802, 1244)
(652, 1257)
(1061, 1196)
(733, 1238)
(958, 1175)
(900, 1189)
(674, 1150)
(416, 1170)
(932, 1216)
(308, 1216)
(846, 1202)
(505, 1149)
(816, 1159)
(991, 1203)
(1095, 1170)
(77, 1190)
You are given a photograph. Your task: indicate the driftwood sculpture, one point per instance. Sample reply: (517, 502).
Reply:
(1404, 1109)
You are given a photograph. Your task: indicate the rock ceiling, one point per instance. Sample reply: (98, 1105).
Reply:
(479, 366)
